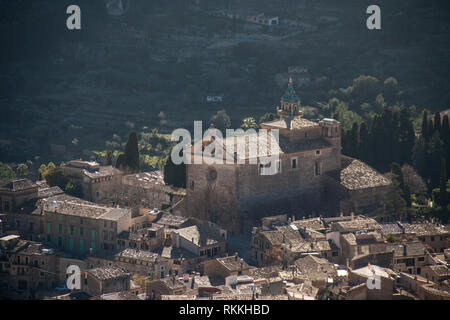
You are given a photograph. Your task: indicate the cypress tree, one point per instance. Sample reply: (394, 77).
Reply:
(443, 185)
(108, 158)
(437, 122)
(364, 142)
(395, 139)
(132, 153)
(120, 162)
(353, 141)
(425, 133)
(174, 174)
(407, 137)
(434, 162)
(445, 137)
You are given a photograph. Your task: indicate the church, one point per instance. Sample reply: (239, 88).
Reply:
(312, 176)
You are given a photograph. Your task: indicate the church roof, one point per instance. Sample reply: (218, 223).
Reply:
(356, 175)
(291, 123)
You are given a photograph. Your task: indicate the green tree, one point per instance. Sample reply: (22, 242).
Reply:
(390, 89)
(174, 174)
(22, 170)
(56, 177)
(267, 117)
(249, 123)
(6, 172)
(73, 189)
(221, 120)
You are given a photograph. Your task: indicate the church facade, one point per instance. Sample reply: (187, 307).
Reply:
(307, 180)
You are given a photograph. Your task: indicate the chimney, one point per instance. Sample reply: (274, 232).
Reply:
(341, 214)
(235, 256)
(293, 218)
(352, 215)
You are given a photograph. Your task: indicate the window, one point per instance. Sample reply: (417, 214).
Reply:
(60, 228)
(49, 227)
(294, 163)
(81, 245)
(317, 152)
(421, 259)
(81, 231)
(72, 230)
(419, 270)
(317, 168)
(432, 238)
(93, 233)
(192, 185)
(71, 244)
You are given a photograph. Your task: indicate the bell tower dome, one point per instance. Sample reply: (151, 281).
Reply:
(290, 102)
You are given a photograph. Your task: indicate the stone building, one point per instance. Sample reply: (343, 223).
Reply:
(311, 175)
(80, 227)
(103, 280)
(221, 268)
(144, 263)
(409, 257)
(108, 185)
(27, 268)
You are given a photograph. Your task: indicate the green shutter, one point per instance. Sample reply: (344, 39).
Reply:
(71, 244)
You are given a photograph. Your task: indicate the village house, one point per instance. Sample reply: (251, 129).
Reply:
(79, 227)
(108, 185)
(409, 257)
(27, 268)
(141, 262)
(221, 268)
(358, 279)
(205, 240)
(434, 237)
(149, 238)
(167, 286)
(103, 280)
